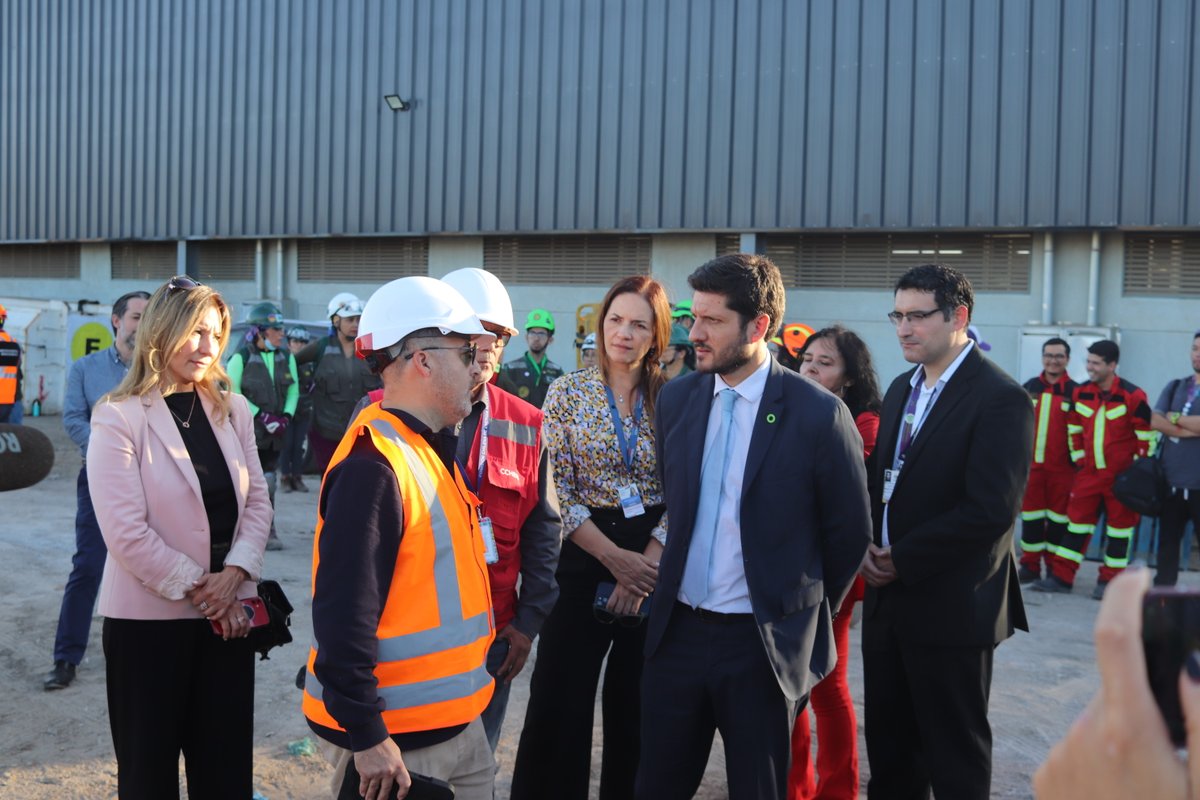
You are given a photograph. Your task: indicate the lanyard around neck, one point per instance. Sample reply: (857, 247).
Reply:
(628, 447)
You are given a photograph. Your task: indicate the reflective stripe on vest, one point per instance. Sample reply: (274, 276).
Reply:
(521, 434)
(436, 626)
(452, 633)
(1043, 427)
(1098, 441)
(8, 374)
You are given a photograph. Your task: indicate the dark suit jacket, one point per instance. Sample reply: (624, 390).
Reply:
(951, 515)
(804, 518)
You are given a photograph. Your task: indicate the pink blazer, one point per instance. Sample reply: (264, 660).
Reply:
(151, 514)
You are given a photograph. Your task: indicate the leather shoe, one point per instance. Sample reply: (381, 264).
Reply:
(1053, 584)
(1025, 575)
(60, 677)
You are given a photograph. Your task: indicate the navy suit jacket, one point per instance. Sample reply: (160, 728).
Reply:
(805, 519)
(950, 519)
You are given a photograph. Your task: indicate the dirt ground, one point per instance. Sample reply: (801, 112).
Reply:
(56, 745)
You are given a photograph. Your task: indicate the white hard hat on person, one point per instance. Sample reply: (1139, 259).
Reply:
(487, 296)
(407, 305)
(345, 304)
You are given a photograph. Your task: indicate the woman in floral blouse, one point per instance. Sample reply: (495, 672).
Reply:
(598, 426)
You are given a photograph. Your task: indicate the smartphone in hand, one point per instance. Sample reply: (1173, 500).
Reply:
(1170, 632)
(255, 610)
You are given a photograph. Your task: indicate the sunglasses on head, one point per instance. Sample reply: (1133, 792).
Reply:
(182, 283)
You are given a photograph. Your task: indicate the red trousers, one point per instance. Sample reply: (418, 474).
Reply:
(1091, 492)
(837, 726)
(1044, 515)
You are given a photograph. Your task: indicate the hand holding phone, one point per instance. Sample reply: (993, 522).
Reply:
(253, 608)
(1120, 747)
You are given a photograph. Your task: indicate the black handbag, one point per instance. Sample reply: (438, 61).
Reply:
(279, 614)
(1143, 487)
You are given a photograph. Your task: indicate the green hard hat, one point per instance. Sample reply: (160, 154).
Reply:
(265, 315)
(683, 309)
(679, 336)
(540, 318)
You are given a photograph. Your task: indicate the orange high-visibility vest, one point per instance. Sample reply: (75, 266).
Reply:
(8, 377)
(436, 626)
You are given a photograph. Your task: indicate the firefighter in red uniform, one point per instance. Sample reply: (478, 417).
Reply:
(1108, 427)
(1044, 510)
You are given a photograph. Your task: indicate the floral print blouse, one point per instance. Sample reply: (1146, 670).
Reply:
(588, 468)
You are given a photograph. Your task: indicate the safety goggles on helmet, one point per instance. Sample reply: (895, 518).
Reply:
(351, 308)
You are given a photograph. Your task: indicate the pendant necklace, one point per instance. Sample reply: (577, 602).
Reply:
(186, 423)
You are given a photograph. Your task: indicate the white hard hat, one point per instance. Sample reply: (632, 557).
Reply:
(486, 294)
(589, 342)
(409, 304)
(345, 304)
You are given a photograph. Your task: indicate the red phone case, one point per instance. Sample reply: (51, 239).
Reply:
(255, 611)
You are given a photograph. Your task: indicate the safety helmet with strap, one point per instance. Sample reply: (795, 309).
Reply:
(407, 305)
(265, 315)
(345, 304)
(683, 309)
(487, 296)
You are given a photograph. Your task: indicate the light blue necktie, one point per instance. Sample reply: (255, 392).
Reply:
(712, 477)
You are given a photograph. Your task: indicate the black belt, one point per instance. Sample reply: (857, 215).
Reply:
(715, 617)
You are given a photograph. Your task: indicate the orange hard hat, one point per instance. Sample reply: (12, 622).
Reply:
(794, 335)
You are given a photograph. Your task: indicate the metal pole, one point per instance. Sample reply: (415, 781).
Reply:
(1094, 280)
(1048, 279)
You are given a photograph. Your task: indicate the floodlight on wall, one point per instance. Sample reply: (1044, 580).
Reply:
(395, 103)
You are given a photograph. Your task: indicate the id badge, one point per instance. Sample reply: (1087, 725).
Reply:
(631, 501)
(889, 483)
(490, 554)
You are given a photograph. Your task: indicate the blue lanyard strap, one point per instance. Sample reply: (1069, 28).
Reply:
(485, 422)
(628, 448)
(910, 427)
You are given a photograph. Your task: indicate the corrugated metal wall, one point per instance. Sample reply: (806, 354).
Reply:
(161, 119)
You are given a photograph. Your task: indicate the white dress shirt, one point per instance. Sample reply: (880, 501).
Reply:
(928, 395)
(727, 590)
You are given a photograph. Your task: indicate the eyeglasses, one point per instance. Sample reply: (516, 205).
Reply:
(538, 334)
(182, 283)
(913, 317)
(1055, 356)
(467, 352)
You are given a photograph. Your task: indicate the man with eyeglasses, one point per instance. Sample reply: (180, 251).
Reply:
(402, 610)
(530, 376)
(1044, 509)
(90, 378)
(946, 480)
(507, 466)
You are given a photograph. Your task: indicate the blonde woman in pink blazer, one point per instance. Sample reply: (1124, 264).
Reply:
(183, 508)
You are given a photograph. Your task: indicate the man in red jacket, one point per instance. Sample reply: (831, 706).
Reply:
(505, 463)
(1108, 427)
(1044, 509)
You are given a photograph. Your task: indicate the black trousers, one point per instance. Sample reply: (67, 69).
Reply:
(707, 676)
(926, 718)
(554, 756)
(175, 686)
(1176, 512)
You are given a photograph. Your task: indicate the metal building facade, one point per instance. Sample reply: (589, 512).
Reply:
(138, 119)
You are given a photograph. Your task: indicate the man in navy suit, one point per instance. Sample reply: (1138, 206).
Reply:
(947, 476)
(769, 522)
